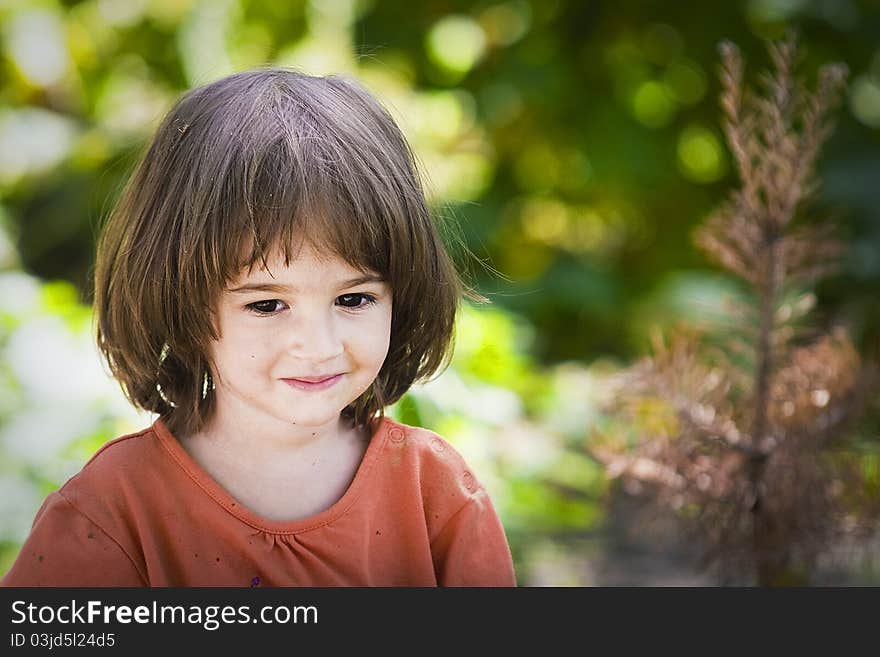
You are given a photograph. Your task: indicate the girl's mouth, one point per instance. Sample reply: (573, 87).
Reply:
(314, 382)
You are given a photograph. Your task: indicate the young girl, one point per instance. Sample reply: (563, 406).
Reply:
(270, 280)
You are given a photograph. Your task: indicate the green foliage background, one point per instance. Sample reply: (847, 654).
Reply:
(574, 145)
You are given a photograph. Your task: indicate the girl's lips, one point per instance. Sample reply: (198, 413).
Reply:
(312, 383)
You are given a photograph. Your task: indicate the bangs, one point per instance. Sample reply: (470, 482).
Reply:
(290, 203)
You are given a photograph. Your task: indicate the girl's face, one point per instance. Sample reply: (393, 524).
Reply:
(299, 342)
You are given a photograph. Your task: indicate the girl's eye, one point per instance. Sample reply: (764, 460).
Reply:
(267, 307)
(356, 300)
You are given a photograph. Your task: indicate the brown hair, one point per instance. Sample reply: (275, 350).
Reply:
(257, 161)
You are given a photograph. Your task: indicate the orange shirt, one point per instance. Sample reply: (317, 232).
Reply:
(142, 512)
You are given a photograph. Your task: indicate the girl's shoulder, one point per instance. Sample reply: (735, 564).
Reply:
(122, 447)
(120, 456)
(422, 441)
(433, 458)
(465, 533)
(124, 468)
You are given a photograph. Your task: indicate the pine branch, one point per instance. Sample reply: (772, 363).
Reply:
(733, 418)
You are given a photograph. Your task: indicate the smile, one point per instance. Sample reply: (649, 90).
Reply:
(313, 383)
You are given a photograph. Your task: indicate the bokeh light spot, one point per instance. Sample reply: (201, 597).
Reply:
(653, 104)
(456, 43)
(32, 140)
(439, 115)
(122, 12)
(686, 80)
(864, 98)
(700, 156)
(506, 23)
(537, 168)
(37, 44)
(774, 10)
(544, 220)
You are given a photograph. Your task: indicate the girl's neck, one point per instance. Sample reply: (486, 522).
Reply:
(273, 444)
(284, 477)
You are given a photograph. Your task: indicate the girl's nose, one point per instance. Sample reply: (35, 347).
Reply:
(313, 337)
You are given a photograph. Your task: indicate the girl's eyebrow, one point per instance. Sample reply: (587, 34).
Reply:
(278, 288)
